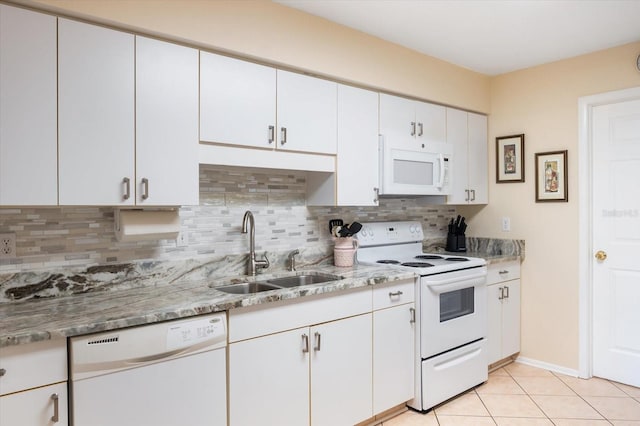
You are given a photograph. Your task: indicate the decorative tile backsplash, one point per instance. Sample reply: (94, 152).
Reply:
(62, 237)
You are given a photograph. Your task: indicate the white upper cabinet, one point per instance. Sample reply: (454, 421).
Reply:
(28, 110)
(307, 113)
(237, 102)
(96, 115)
(467, 132)
(166, 123)
(410, 123)
(357, 166)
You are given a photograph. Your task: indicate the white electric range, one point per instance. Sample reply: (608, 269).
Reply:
(451, 309)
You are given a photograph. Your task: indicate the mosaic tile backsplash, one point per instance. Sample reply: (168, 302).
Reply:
(63, 237)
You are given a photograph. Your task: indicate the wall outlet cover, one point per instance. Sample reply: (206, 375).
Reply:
(7, 246)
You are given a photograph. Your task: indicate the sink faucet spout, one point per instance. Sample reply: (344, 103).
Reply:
(248, 225)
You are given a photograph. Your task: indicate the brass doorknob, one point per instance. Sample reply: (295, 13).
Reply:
(601, 255)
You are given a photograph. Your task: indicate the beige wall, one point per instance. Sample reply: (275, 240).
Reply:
(280, 35)
(542, 103)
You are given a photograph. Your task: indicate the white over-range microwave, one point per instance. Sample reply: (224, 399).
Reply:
(405, 170)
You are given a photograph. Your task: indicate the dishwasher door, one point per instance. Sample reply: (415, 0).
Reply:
(166, 374)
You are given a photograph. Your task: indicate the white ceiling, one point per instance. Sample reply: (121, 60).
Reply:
(489, 36)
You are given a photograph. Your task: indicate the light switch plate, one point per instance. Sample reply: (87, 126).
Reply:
(506, 224)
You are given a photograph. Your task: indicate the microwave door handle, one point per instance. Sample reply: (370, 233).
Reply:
(441, 181)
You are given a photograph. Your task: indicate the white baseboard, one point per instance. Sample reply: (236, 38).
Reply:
(547, 366)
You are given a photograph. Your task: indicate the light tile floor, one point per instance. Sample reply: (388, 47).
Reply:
(521, 395)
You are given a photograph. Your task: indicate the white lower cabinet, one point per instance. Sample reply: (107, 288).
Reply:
(503, 285)
(33, 384)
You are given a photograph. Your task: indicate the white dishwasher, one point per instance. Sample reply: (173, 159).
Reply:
(166, 374)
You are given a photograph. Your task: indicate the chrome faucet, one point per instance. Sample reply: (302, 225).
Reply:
(252, 263)
(292, 259)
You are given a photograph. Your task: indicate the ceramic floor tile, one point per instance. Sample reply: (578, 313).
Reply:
(468, 404)
(565, 407)
(615, 408)
(465, 421)
(629, 390)
(580, 422)
(592, 387)
(544, 386)
(504, 385)
(511, 406)
(499, 372)
(517, 369)
(515, 421)
(411, 418)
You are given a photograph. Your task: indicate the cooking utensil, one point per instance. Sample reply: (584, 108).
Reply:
(354, 228)
(334, 222)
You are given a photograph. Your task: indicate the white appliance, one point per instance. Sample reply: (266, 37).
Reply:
(170, 373)
(451, 309)
(418, 169)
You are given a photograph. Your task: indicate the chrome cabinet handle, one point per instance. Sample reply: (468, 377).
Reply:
(506, 295)
(272, 134)
(412, 311)
(395, 294)
(127, 188)
(420, 129)
(318, 338)
(467, 197)
(305, 344)
(473, 195)
(377, 196)
(283, 135)
(501, 293)
(2, 372)
(504, 271)
(145, 188)
(413, 128)
(56, 409)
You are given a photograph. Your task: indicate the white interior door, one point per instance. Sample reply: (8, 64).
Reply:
(616, 241)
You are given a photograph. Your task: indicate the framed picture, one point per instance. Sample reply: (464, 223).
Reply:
(551, 176)
(510, 159)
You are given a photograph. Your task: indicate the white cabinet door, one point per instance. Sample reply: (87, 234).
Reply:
(478, 159)
(341, 377)
(269, 380)
(96, 114)
(237, 101)
(166, 123)
(431, 123)
(393, 356)
(357, 161)
(458, 137)
(35, 407)
(28, 108)
(511, 318)
(494, 323)
(398, 120)
(307, 113)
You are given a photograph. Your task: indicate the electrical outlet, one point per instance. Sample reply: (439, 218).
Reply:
(506, 224)
(7, 246)
(183, 239)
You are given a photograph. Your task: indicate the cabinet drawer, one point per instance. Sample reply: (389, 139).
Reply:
(260, 320)
(32, 365)
(393, 294)
(504, 271)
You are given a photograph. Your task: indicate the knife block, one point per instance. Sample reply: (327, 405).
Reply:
(456, 243)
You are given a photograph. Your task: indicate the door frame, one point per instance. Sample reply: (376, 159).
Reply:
(585, 218)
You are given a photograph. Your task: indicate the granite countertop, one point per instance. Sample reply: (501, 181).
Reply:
(40, 319)
(60, 317)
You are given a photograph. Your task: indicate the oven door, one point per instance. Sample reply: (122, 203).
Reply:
(453, 311)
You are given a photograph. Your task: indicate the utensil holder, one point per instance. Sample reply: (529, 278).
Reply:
(456, 243)
(344, 251)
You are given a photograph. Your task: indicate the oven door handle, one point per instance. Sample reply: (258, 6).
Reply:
(453, 284)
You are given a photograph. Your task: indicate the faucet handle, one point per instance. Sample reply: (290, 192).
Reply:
(292, 259)
(263, 263)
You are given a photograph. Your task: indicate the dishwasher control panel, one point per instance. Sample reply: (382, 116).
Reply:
(188, 333)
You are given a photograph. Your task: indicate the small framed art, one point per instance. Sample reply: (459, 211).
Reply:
(551, 176)
(510, 159)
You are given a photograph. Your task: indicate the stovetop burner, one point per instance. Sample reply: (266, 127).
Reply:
(417, 264)
(388, 262)
(429, 257)
(457, 259)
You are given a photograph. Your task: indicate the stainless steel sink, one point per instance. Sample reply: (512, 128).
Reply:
(247, 288)
(303, 279)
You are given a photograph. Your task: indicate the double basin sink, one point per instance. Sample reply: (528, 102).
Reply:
(279, 283)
